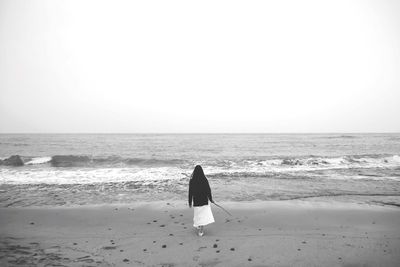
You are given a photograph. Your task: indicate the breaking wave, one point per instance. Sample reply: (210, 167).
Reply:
(272, 164)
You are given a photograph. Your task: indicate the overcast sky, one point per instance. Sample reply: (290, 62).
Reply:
(199, 66)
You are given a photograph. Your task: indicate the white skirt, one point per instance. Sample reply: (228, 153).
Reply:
(202, 216)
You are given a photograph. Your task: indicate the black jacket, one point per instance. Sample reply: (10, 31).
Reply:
(199, 193)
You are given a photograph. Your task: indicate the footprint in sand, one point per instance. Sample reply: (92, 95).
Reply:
(304, 242)
(164, 246)
(109, 247)
(181, 244)
(215, 246)
(154, 220)
(217, 251)
(125, 260)
(232, 249)
(162, 225)
(154, 241)
(32, 223)
(249, 259)
(171, 234)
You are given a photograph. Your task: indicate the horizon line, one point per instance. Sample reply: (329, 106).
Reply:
(165, 133)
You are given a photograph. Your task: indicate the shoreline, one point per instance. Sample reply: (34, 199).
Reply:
(293, 233)
(251, 204)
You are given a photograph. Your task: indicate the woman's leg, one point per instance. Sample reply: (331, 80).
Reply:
(201, 227)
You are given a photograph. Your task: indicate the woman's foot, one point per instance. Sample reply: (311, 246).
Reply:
(201, 233)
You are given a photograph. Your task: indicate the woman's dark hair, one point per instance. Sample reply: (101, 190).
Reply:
(198, 174)
(198, 180)
(199, 188)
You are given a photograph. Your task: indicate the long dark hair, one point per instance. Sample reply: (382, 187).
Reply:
(198, 181)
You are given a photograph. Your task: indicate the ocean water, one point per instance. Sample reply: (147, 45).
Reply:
(81, 169)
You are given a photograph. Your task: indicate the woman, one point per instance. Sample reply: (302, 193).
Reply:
(200, 193)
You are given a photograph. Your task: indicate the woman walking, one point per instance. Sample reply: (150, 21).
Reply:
(200, 193)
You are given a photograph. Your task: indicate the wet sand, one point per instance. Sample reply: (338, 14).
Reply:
(161, 234)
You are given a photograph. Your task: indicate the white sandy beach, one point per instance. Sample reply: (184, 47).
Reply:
(161, 234)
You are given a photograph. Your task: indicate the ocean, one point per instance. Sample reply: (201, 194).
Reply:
(91, 169)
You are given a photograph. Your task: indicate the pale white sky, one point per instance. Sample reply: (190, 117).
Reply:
(200, 66)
